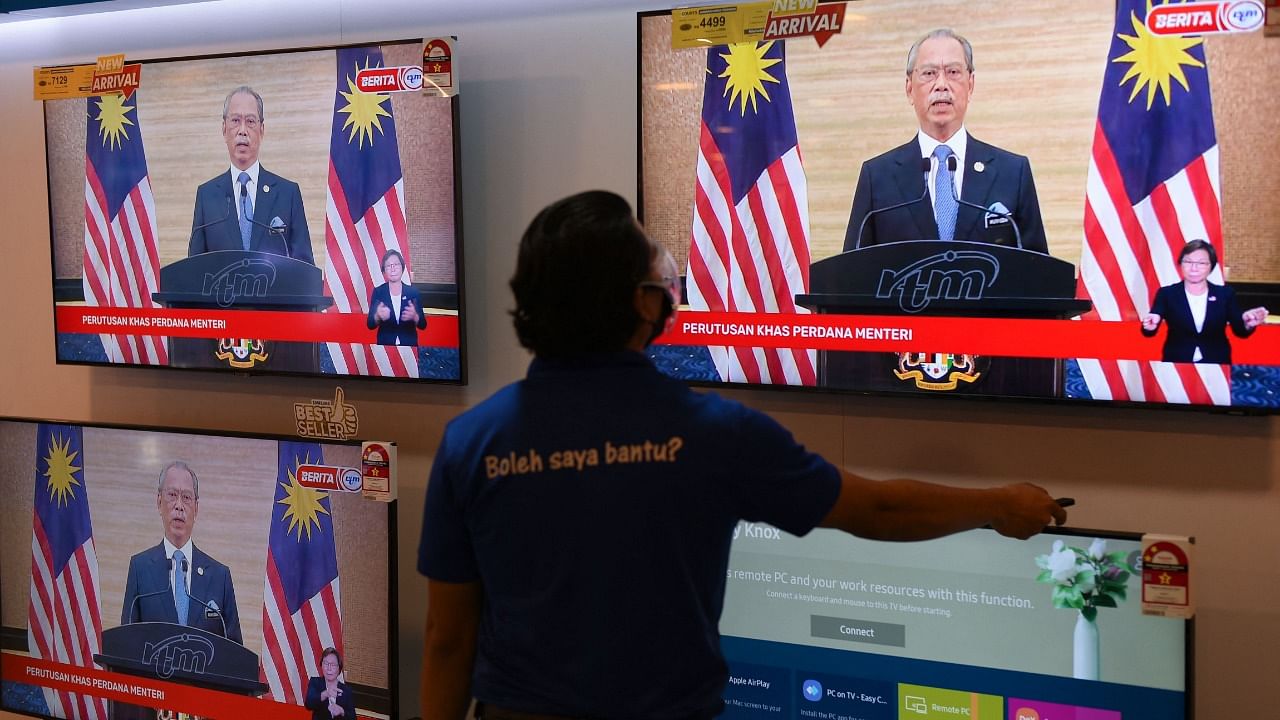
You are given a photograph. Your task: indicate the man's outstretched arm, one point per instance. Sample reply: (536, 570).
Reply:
(914, 510)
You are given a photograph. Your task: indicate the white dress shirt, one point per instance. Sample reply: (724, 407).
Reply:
(958, 143)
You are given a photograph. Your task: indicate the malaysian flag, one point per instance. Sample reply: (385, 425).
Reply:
(301, 611)
(1153, 185)
(121, 263)
(364, 212)
(750, 250)
(64, 615)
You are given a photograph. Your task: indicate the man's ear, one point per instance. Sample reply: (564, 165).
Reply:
(645, 306)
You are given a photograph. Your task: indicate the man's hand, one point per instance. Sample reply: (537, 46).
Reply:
(1026, 510)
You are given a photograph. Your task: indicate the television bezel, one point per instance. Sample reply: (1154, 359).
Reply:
(458, 255)
(9, 637)
(1066, 531)
(1232, 410)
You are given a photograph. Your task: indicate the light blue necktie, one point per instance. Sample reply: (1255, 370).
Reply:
(944, 202)
(180, 599)
(246, 210)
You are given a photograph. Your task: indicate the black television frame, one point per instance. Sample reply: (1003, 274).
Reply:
(16, 638)
(1066, 532)
(1251, 292)
(434, 294)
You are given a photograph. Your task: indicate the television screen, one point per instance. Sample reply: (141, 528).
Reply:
(830, 237)
(976, 626)
(281, 212)
(287, 596)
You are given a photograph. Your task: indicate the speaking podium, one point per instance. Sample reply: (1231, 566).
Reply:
(243, 280)
(181, 654)
(942, 278)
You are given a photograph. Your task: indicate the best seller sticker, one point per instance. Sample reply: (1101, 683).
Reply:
(327, 419)
(1166, 576)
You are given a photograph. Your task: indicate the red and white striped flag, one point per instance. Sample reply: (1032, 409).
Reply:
(364, 213)
(750, 249)
(301, 611)
(121, 262)
(64, 615)
(1153, 185)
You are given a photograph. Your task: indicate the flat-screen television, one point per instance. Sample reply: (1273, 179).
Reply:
(823, 243)
(289, 212)
(288, 575)
(974, 626)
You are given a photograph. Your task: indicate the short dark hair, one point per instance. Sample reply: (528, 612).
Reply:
(334, 652)
(1194, 245)
(387, 256)
(576, 273)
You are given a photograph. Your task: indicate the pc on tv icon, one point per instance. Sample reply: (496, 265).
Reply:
(812, 690)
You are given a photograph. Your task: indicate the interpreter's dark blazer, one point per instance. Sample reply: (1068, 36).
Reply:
(392, 329)
(896, 176)
(320, 708)
(1221, 309)
(277, 198)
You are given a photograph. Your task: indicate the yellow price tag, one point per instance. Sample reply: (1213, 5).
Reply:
(63, 82)
(718, 25)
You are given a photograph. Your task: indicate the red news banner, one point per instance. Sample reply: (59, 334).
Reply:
(442, 330)
(142, 691)
(997, 337)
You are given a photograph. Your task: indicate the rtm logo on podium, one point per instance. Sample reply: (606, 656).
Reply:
(950, 275)
(179, 653)
(247, 278)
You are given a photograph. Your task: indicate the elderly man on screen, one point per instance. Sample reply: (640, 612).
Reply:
(175, 581)
(247, 207)
(955, 166)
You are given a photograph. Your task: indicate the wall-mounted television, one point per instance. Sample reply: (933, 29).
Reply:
(279, 558)
(975, 625)
(824, 244)
(290, 212)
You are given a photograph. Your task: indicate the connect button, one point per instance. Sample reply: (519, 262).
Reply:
(861, 631)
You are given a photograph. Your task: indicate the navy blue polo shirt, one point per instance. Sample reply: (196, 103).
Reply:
(595, 501)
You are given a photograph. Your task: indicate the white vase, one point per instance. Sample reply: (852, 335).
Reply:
(1084, 664)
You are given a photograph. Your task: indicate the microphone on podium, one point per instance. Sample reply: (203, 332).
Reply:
(212, 607)
(996, 209)
(163, 591)
(924, 168)
(226, 213)
(278, 228)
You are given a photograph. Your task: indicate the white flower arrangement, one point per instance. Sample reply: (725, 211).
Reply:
(1085, 580)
